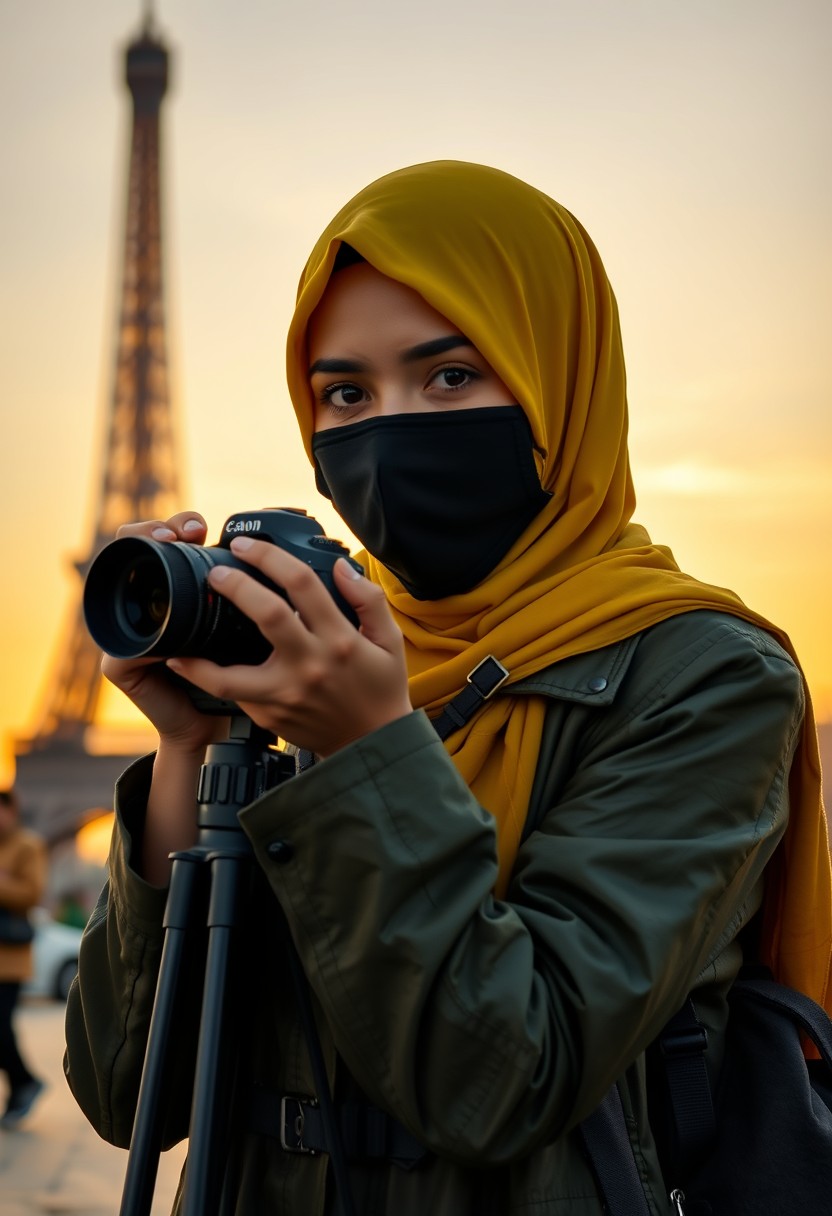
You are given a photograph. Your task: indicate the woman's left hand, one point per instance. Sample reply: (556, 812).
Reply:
(326, 683)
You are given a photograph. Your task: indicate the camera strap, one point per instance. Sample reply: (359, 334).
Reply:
(483, 682)
(304, 759)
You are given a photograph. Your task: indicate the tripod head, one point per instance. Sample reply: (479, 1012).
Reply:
(237, 770)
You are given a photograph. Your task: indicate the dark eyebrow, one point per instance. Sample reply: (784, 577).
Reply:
(436, 346)
(337, 366)
(424, 350)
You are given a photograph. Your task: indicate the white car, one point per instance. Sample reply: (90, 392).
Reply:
(55, 956)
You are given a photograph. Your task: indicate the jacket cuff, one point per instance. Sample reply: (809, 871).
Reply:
(369, 759)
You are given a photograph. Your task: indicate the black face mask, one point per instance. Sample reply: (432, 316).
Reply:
(437, 498)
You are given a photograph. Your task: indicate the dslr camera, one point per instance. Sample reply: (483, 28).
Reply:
(143, 598)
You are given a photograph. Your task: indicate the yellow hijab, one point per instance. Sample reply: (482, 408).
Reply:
(519, 276)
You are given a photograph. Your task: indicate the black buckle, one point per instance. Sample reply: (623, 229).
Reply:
(488, 676)
(292, 1119)
(483, 682)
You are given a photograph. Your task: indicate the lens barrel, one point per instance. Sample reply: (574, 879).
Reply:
(142, 598)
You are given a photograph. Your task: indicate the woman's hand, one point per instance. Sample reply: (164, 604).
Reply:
(326, 683)
(145, 681)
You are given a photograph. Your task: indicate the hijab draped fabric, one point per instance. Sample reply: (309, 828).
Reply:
(519, 276)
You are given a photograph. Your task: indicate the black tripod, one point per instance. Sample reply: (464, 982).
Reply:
(235, 772)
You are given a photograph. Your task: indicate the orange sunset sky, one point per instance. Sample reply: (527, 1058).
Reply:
(692, 140)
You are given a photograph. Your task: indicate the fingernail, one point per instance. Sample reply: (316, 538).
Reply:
(219, 574)
(241, 543)
(193, 525)
(163, 534)
(351, 570)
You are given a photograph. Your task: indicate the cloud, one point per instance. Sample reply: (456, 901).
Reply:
(691, 478)
(805, 484)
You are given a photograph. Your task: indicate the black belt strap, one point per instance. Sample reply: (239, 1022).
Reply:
(483, 682)
(367, 1133)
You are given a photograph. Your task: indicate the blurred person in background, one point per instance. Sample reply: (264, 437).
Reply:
(22, 881)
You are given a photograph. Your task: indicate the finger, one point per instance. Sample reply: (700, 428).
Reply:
(370, 604)
(123, 672)
(185, 526)
(238, 683)
(188, 525)
(306, 590)
(270, 612)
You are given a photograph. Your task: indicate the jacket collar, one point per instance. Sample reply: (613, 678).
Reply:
(589, 679)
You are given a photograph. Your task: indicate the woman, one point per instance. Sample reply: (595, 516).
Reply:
(498, 897)
(22, 880)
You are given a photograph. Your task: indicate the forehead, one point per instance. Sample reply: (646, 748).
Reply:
(360, 303)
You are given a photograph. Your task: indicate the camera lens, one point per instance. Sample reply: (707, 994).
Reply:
(143, 598)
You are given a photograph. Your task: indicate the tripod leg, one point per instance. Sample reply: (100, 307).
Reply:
(234, 773)
(146, 1141)
(216, 1057)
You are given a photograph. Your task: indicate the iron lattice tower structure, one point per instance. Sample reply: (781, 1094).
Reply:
(139, 478)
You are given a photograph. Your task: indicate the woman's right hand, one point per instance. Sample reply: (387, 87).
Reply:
(146, 681)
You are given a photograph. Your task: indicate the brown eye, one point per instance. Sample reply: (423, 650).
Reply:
(343, 395)
(453, 378)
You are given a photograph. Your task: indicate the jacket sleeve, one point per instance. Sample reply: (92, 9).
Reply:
(489, 1026)
(111, 1000)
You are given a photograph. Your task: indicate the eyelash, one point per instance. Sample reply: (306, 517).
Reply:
(326, 394)
(455, 367)
(325, 398)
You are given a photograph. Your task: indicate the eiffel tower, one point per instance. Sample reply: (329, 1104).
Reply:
(59, 781)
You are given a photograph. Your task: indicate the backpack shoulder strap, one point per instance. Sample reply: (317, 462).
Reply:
(610, 1153)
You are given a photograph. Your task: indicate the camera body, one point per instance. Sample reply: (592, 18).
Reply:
(146, 599)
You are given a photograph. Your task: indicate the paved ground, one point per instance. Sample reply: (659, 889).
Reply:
(54, 1162)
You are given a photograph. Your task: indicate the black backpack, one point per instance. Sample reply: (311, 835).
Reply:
(761, 1143)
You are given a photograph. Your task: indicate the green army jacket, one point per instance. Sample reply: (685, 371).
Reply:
(488, 1028)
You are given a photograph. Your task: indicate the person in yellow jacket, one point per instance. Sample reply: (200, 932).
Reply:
(498, 897)
(22, 881)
